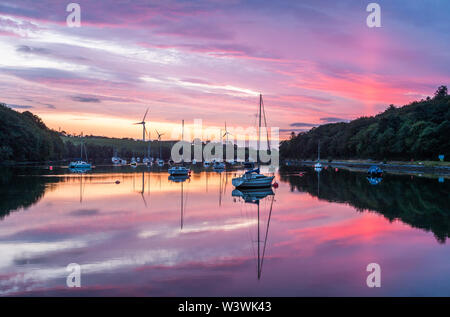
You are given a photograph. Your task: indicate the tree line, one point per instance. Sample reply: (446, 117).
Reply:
(24, 137)
(418, 130)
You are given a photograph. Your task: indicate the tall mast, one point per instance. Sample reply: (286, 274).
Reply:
(318, 151)
(265, 124)
(259, 129)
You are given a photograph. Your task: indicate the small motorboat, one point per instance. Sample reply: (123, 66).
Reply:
(375, 171)
(318, 167)
(115, 160)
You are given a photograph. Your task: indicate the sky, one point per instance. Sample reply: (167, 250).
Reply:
(314, 62)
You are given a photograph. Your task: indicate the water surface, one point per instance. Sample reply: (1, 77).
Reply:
(148, 235)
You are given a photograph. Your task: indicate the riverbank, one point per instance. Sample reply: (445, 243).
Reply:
(425, 167)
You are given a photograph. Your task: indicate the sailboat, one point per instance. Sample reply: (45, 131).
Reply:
(318, 166)
(80, 164)
(180, 169)
(133, 162)
(253, 178)
(115, 159)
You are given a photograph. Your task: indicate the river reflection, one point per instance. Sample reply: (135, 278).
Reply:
(140, 232)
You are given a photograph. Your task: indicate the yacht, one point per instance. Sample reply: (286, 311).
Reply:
(253, 178)
(318, 166)
(80, 164)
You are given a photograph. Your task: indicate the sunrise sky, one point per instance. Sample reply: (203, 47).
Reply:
(314, 61)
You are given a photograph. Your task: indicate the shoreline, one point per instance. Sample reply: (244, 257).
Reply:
(394, 167)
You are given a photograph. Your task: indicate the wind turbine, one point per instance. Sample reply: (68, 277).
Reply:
(143, 125)
(159, 141)
(226, 132)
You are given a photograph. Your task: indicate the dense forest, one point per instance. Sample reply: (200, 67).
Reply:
(419, 130)
(24, 137)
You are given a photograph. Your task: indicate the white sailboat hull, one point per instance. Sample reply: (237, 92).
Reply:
(252, 181)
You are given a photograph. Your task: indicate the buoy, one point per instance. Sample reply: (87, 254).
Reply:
(117, 182)
(275, 185)
(51, 167)
(336, 169)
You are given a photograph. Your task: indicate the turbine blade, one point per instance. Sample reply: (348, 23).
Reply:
(145, 115)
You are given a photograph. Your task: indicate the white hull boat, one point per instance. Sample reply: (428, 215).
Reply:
(80, 165)
(178, 171)
(252, 179)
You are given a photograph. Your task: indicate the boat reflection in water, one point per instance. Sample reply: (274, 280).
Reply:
(81, 171)
(374, 180)
(249, 197)
(181, 179)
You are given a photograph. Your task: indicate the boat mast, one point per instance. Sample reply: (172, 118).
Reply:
(265, 124)
(182, 138)
(81, 147)
(318, 152)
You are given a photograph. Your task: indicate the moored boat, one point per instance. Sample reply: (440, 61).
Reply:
(179, 170)
(253, 178)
